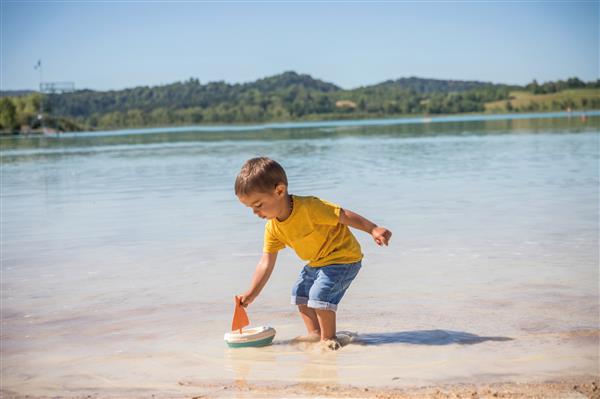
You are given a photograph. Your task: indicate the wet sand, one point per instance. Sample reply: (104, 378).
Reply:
(577, 387)
(572, 387)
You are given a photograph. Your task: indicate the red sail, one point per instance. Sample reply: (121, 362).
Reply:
(240, 318)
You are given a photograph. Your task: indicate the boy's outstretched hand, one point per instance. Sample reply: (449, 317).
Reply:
(246, 299)
(381, 235)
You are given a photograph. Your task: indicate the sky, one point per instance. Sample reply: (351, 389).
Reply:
(111, 45)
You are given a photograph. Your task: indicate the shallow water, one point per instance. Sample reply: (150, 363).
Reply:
(121, 255)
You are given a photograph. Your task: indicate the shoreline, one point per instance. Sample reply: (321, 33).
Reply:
(323, 123)
(567, 387)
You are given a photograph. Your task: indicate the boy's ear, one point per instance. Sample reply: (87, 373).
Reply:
(280, 189)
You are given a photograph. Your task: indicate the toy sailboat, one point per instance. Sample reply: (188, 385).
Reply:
(238, 337)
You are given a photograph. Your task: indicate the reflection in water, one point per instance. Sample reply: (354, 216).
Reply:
(90, 142)
(284, 360)
(240, 362)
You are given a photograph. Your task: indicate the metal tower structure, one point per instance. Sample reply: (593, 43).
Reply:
(50, 88)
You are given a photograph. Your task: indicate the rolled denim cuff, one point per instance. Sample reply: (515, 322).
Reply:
(299, 300)
(322, 305)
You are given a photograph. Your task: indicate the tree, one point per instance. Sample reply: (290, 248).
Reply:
(8, 115)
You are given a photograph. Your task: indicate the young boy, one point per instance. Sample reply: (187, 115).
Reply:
(317, 231)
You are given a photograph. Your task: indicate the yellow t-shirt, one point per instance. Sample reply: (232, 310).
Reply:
(314, 231)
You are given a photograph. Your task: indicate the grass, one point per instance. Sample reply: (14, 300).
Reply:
(575, 99)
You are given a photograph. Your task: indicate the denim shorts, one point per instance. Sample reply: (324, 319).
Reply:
(323, 287)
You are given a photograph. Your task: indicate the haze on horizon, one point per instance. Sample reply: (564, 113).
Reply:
(110, 45)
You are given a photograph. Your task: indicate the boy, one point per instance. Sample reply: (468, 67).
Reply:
(317, 231)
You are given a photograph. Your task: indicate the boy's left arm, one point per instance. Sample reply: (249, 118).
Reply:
(381, 235)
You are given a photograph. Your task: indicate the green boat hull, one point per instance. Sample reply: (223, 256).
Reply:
(260, 342)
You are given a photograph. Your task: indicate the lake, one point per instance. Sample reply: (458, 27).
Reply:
(122, 251)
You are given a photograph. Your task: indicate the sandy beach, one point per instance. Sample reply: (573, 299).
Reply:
(572, 387)
(576, 387)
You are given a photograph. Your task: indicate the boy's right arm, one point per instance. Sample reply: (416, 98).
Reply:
(261, 276)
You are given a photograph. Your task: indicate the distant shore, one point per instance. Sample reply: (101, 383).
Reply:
(285, 97)
(403, 119)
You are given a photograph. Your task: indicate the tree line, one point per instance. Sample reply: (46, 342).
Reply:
(560, 85)
(284, 97)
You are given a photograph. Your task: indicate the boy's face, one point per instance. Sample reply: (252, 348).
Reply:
(267, 205)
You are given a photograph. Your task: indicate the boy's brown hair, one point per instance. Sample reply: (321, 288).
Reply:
(261, 175)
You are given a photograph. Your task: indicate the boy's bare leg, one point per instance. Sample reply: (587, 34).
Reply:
(326, 323)
(309, 316)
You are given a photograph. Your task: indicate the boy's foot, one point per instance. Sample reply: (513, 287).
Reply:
(332, 344)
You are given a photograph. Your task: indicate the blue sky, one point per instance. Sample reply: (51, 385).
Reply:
(104, 45)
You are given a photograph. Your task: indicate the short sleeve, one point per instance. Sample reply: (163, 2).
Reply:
(324, 212)
(272, 243)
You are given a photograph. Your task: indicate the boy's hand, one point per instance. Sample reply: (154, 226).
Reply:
(246, 299)
(381, 235)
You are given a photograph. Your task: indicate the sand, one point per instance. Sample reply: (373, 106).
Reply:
(571, 387)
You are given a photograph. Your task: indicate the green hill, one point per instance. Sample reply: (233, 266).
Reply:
(427, 86)
(290, 79)
(284, 97)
